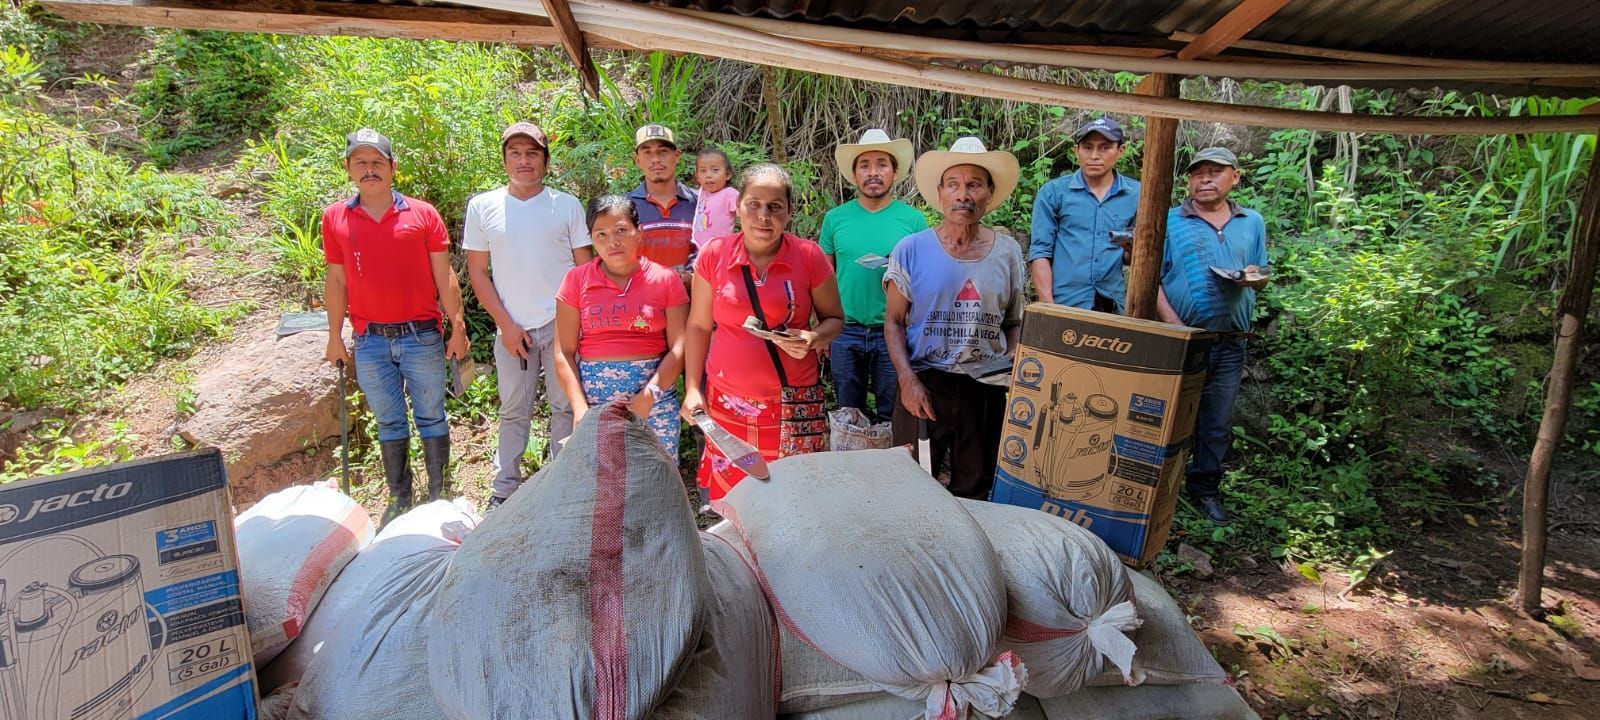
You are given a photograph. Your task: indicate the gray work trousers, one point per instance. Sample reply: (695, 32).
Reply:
(519, 395)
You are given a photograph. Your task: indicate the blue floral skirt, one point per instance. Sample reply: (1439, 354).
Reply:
(608, 380)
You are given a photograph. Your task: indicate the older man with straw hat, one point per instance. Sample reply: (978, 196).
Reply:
(954, 312)
(857, 237)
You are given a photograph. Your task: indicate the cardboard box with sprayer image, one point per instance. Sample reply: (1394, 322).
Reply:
(120, 595)
(1099, 422)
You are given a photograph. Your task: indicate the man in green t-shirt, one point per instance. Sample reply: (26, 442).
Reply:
(857, 238)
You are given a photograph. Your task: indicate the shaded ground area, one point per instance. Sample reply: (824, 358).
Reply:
(1434, 634)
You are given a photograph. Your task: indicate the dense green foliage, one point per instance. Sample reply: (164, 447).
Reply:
(205, 88)
(93, 290)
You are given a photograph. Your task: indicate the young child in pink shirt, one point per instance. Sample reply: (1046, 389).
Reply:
(716, 202)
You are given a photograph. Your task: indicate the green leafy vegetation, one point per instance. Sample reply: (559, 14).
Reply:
(206, 88)
(94, 290)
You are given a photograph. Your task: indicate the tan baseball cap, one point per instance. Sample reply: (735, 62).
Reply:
(524, 128)
(654, 131)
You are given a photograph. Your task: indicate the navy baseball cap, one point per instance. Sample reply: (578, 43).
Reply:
(367, 137)
(1104, 125)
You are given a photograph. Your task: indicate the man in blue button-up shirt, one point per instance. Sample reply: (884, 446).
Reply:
(1071, 257)
(1215, 261)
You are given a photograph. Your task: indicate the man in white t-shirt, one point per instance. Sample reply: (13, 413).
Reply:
(529, 235)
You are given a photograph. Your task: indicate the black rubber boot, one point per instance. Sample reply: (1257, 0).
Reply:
(435, 457)
(397, 472)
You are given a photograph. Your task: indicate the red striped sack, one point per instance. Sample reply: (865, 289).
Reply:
(580, 597)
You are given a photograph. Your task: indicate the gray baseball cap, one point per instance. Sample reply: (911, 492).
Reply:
(367, 137)
(1218, 155)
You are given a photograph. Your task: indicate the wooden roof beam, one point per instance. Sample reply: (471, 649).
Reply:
(320, 18)
(1239, 21)
(572, 39)
(909, 45)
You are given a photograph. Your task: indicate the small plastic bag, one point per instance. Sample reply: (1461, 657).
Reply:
(852, 430)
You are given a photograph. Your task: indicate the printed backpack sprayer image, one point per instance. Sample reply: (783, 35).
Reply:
(1079, 433)
(51, 627)
(120, 595)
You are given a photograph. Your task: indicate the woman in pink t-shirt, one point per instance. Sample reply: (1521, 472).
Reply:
(741, 388)
(619, 325)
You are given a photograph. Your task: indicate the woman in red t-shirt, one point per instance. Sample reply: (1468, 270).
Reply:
(619, 325)
(730, 373)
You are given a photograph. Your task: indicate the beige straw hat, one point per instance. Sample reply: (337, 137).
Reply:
(871, 140)
(1002, 167)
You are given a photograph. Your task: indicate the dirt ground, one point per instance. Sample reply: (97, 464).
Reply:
(1434, 634)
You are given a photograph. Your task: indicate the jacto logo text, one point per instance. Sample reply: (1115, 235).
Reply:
(1071, 338)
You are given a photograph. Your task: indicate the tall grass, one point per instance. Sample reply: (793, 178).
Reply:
(1539, 174)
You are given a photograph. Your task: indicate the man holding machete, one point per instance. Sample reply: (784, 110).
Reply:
(388, 259)
(521, 239)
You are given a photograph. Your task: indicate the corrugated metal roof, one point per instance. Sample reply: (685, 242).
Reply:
(1517, 31)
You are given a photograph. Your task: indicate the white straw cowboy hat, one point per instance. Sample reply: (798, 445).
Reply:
(1002, 167)
(874, 140)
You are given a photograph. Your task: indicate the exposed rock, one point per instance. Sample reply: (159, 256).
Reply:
(1198, 558)
(265, 401)
(16, 426)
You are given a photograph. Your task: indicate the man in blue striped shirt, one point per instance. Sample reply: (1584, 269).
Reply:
(1071, 256)
(1215, 260)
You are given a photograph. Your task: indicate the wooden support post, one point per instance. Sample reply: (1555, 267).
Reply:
(1570, 313)
(1155, 199)
(572, 40)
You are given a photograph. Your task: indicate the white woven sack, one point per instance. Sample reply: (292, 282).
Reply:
(374, 664)
(1170, 653)
(580, 597)
(866, 558)
(442, 523)
(292, 544)
(1150, 702)
(883, 706)
(1068, 597)
(810, 680)
(851, 429)
(733, 673)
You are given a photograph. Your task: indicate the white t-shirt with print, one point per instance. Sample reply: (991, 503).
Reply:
(530, 244)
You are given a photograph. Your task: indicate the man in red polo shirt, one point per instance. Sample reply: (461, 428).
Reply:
(666, 206)
(389, 267)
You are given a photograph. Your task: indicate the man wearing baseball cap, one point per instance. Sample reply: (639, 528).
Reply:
(666, 206)
(388, 259)
(1215, 261)
(857, 237)
(521, 239)
(1071, 256)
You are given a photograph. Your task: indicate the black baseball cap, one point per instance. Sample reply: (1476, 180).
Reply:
(367, 137)
(1104, 125)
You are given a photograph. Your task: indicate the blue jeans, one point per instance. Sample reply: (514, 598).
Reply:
(1213, 427)
(857, 356)
(388, 370)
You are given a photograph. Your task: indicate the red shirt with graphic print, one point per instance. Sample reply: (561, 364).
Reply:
(621, 322)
